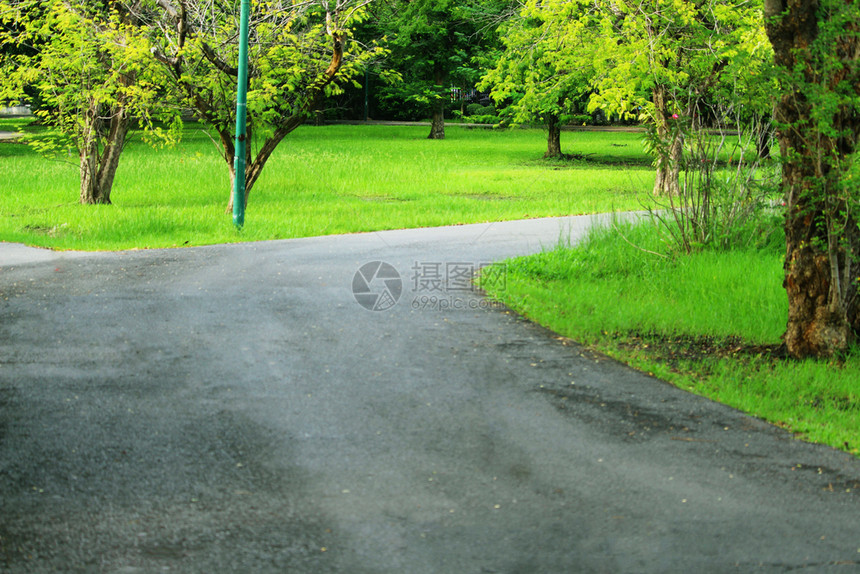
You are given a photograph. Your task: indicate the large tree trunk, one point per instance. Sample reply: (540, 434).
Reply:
(553, 138)
(100, 153)
(821, 319)
(670, 147)
(437, 123)
(822, 235)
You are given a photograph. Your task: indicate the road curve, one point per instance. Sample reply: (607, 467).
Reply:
(238, 409)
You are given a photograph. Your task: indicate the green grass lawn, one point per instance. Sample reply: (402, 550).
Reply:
(707, 322)
(322, 180)
(710, 322)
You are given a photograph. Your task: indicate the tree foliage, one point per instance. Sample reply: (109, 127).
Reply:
(90, 65)
(667, 59)
(653, 60)
(434, 46)
(299, 52)
(545, 71)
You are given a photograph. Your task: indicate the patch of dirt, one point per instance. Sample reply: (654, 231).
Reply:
(570, 160)
(383, 198)
(485, 197)
(677, 348)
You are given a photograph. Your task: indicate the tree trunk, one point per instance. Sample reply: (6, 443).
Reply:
(820, 320)
(254, 168)
(109, 163)
(100, 160)
(553, 138)
(668, 175)
(437, 124)
(89, 153)
(670, 141)
(763, 138)
(822, 235)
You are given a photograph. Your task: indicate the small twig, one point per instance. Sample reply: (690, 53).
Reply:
(618, 229)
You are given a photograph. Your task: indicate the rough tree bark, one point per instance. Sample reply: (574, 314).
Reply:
(822, 237)
(553, 138)
(437, 123)
(100, 159)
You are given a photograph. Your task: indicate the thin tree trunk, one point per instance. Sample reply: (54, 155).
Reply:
(437, 124)
(763, 138)
(254, 165)
(89, 154)
(668, 174)
(671, 146)
(114, 145)
(553, 138)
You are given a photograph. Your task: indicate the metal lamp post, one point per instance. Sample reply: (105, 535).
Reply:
(241, 117)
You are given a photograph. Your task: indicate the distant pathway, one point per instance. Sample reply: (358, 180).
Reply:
(237, 409)
(635, 129)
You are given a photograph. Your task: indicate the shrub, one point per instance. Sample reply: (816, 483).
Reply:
(474, 109)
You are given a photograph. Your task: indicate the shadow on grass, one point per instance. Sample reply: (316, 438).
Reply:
(578, 160)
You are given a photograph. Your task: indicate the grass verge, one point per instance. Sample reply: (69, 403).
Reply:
(709, 322)
(321, 181)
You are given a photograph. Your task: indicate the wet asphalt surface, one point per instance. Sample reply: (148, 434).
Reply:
(237, 409)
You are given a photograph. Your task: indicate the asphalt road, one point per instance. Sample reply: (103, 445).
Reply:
(237, 409)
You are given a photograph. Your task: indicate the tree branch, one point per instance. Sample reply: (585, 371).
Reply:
(213, 58)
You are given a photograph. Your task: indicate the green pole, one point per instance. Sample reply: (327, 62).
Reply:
(241, 117)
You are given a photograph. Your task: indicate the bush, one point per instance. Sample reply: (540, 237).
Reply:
(473, 109)
(727, 194)
(479, 110)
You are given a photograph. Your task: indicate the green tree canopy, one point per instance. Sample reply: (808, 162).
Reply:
(660, 60)
(654, 60)
(545, 71)
(434, 46)
(299, 51)
(90, 65)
